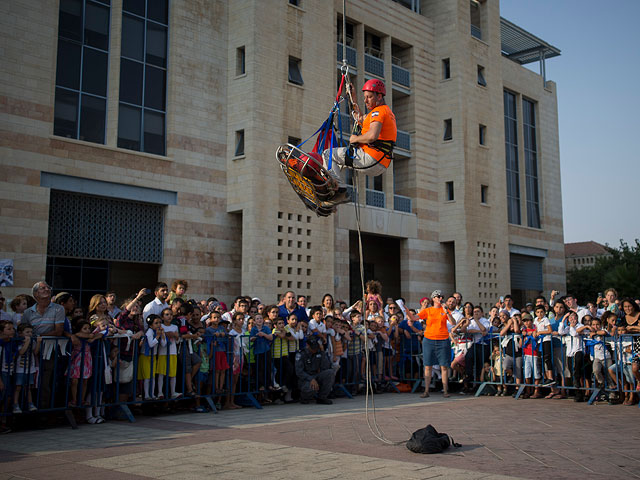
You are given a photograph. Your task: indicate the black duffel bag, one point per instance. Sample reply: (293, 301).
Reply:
(428, 440)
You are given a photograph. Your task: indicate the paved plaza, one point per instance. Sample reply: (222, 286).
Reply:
(500, 437)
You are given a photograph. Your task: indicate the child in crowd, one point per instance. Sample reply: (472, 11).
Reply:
(354, 350)
(19, 304)
(7, 355)
(543, 334)
(374, 288)
(531, 357)
(235, 334)
(599, 352)
(280, 354)
(317, 325)
(81, 364)
(26, 366)
(204, 349)
(572, 329)
(261, 338)
(178, 290)
(489, 375)
(148, 360)
(219, 338)
(168, 356)
(498, 372)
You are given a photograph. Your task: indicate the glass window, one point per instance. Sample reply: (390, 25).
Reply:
(156, 45)
(446, 68)
(295, 74)
(482, 134)
(158, 11)
(481, 80)
(65, 121)
(154, 132)
(93, 113)
(96, 26)
(94, 72)
(132, 37)
(484, 194)
(240, 61)
(531, 163)
(82, 70)
(239, 143)
(129, 126)
(448, 130)
(131, 82)
(70, 20)
(511, 157)
(69, 61)
(143, 76)
(449, 192)
(155, 88)
(134, 6)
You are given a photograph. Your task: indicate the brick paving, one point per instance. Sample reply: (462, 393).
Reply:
(500, 438)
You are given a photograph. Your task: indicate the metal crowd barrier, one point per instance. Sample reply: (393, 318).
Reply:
(246, 377)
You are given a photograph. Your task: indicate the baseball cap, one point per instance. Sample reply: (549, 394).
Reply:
(436, 293)
(526, 316)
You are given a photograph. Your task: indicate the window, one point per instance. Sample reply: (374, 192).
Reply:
(484, 194)
(143, 76)
(240, 61)
(295, 3)
(80, 109)
(295, 73)
(449, 192)
(476, 28)
(482, 134)
(293, 141)
(239, 143)
(481, 80)
(448, 130)
(531, 163)
(446, 68)
(511, 156)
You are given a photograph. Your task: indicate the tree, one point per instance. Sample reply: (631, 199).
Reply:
(620, 271)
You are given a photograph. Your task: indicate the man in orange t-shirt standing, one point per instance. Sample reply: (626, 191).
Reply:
(436, 345)
(374, 146)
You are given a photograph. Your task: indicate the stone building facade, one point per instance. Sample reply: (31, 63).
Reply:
(138, 144)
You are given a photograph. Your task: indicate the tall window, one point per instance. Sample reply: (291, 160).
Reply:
(81, 75)
(143, 76)
(511, 154)
(531, 163)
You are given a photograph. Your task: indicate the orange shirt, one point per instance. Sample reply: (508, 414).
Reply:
(384, 115)
(435, 323)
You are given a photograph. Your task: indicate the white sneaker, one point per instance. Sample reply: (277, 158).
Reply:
(17, 409)
(175, 395)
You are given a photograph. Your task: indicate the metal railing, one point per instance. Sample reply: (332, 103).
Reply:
(373, 65)
(403, 140)
(402, 203)
(401, 76)
(352, 55)
(375, 198)
(476, 31)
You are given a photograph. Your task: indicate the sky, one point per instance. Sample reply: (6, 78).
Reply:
(598, 89)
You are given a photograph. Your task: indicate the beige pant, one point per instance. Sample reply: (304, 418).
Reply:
(361, 160)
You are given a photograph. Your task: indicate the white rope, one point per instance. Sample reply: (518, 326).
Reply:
(372, 423)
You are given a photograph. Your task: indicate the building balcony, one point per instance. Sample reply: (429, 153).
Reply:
(374, 65)
(403, 140)
(400, 76)
(375, 198)
(352, 55)
(476, 32)
(402, 203)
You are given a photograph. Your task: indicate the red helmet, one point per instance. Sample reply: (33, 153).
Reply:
(374, 85)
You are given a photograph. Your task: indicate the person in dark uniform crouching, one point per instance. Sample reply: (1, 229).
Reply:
(314, 372)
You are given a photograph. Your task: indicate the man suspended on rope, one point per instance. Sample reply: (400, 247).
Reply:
(370, 152)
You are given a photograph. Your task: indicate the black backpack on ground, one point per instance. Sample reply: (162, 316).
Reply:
(428, 440)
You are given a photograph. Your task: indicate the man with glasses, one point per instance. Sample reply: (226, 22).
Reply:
(47, 320)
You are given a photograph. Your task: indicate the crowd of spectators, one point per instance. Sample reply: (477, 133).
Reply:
(163, 347)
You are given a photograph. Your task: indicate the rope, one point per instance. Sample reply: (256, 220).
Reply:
(372, 423)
